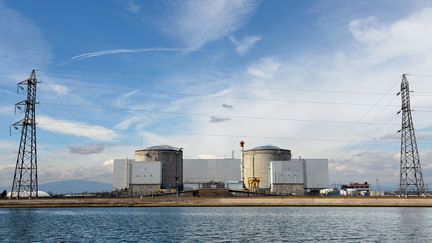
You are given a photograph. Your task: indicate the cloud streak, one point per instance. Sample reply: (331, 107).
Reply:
(245, 44)
(132, 6)
(75, 128)
(265, 68)
(120, 51)
(227, 106)
(91, 149)
(216, 119)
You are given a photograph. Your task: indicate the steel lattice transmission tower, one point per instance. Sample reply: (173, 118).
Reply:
(411, 177)
(25, 182)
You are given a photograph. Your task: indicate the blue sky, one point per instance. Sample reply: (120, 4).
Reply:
(316, 77)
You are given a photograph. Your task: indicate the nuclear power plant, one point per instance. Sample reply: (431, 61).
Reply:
(263, 170)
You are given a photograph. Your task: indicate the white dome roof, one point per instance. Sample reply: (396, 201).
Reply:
(27, 194)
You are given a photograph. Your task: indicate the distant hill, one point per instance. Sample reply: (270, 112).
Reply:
(75, 186)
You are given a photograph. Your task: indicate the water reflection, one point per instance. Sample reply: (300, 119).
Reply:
(216, 224)
(414, 223)
(20, 223)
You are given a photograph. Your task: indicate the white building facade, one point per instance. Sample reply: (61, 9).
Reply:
(298, 175)
(137, 177)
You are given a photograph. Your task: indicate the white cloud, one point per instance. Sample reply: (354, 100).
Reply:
(59, 89)
(198, 22)
(109, 163)
(264, 69)
(405, 37)
(119, 51)
(245, 44)
(75, 128)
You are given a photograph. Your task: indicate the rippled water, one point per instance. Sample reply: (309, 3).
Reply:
(262, 224)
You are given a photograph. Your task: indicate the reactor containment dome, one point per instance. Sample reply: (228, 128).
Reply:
(257, 162)
(171, 159)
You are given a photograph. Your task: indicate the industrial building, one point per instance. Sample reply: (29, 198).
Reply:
(270, 169)
(298, 176)
(154, 168)
(171, 159)
(137, 177)
(355, 189)
(256, 164)
(265, 169)
(316, 174)
(286, 177)
(211, 173)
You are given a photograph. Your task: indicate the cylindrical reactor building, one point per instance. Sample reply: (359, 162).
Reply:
(257, 162)
(171, 159)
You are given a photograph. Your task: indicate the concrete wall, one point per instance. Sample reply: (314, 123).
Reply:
(146, 172)
(283, 172)
(138, 190)
(316, 173)
(205, 170)
(286, 189)
(120, 174)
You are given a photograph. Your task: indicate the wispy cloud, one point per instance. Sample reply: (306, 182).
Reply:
(198, 22)
(404, 37)
(227, 106)
(245, 44)
(59, 89)
(216, 119)
(22, 45)
(119, 51)
(132, 6)
(6, 110)
(90, 149)
(75, 128)
(265, 68)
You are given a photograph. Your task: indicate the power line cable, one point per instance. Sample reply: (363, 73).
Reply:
(263, 99)
(73, 115)
(367, 113)
(110, 76)
(73, 135)
(250, 136)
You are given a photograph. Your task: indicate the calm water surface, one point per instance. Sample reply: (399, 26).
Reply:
(269, 224)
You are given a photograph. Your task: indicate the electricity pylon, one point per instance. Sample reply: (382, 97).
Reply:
(411, 177)
(25, 182)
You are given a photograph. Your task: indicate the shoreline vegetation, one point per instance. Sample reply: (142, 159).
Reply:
(291, 201)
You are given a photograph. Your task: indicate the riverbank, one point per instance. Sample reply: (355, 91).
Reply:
(219, 202)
